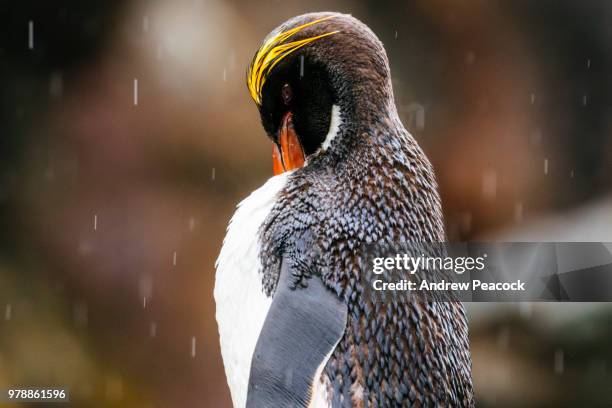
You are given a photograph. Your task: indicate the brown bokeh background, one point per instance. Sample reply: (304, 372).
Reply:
(113, 206)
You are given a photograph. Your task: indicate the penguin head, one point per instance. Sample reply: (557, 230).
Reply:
(315, 77)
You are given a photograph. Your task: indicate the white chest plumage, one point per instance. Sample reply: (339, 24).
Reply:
(241, 304)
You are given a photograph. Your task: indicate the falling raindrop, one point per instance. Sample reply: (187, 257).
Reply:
(31, 35)
(193, 347)
(396, 34)
(489, 184)
(135, 91)
(144, 302)
(192, 222)
(95, 224)
(174, 259)
(301, 66)
(8, 311)
(153, 329)
(545, 166)
(559, 362)
(56, 85)
(213, 174)
(588, 63)
(224, 75)
(533, 98)
(572, 173)
(584, 100)
(416, 116)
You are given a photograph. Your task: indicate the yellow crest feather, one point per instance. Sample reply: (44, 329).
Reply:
(272, 52)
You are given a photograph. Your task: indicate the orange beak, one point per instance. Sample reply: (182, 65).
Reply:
(291, 154)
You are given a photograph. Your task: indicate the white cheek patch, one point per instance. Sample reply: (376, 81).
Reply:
(334, 127)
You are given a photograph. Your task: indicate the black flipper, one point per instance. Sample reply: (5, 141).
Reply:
(302, 327)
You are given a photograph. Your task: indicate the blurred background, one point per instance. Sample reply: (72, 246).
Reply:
(127, 136)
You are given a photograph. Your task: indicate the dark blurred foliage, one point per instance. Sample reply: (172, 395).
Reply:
(571, 45)
(511, 101)
(68, 36)
(530, 363)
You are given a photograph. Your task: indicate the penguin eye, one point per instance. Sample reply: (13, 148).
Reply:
(286, 94)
